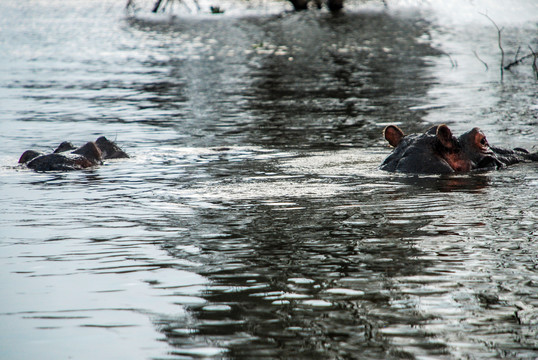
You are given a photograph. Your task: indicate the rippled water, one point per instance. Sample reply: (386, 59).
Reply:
(251, 220)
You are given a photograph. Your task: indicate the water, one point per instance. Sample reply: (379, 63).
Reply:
(252, 219)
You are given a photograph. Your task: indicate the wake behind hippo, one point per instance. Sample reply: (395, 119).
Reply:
(437, 151)
(67, 157)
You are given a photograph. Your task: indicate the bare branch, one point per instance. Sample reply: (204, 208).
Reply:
(499, 40)
(453, 62)
(482, 61)
(534, 67)
(518, 61)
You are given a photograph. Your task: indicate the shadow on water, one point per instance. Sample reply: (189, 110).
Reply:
(467, 183)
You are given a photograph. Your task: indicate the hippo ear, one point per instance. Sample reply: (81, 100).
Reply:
(393, 135)
(445, 136)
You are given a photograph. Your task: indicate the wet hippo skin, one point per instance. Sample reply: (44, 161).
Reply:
(67, 157)
(438, 151)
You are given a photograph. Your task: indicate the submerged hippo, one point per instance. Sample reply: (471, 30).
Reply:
(437, 151)
(68, 157)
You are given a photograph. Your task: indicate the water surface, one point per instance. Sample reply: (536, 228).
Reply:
(252, 219)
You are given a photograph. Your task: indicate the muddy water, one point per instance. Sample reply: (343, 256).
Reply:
(252, 219)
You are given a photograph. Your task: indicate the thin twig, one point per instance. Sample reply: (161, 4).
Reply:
(453, 62)
(482, 61)
(534, 67)
(518, 61)
(499, 40)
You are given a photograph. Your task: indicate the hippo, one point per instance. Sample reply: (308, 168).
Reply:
(437, 151)
(109, 149)
(68, 157)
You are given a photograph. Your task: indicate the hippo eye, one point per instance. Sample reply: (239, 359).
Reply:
(483, 141)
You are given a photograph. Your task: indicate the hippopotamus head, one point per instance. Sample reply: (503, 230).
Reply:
(85, 156)
(64, 146)
(109, 149)
(63, 159)
(437, 151)
(28, 155)
(90, 152)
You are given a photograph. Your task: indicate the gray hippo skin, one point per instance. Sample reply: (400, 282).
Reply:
(437, 151)
(67, 157)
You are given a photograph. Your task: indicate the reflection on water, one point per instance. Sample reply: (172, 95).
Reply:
(252, 219)
(377, 267)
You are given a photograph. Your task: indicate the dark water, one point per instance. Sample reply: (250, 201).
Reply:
(252, 220)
